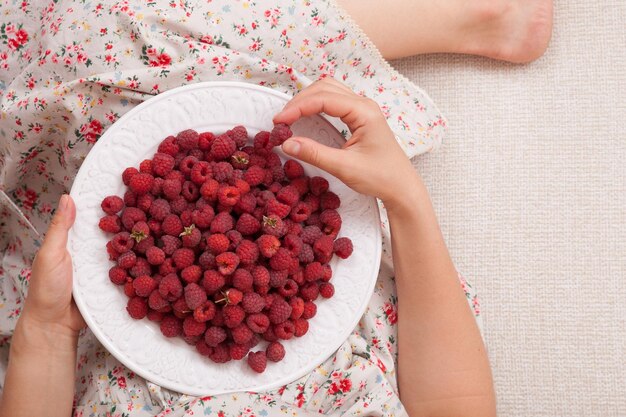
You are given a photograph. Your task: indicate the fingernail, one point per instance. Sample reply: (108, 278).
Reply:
(63, 203)
(291, 147)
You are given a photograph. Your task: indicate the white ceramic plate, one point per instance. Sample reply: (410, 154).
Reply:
(138, 344)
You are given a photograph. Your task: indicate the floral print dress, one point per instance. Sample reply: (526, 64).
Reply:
(69, 69)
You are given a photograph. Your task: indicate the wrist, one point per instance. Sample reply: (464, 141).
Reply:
(33, 336)
(411, 195)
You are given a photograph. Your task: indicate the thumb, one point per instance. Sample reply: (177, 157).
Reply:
(314, 153)
(56, 236)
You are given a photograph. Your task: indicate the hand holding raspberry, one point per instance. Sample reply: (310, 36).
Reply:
(371, 162)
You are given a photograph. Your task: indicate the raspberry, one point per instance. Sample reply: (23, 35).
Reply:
(191, 327)
(269, 335)
(214, 336)
(313, 202)
(110, 224)
(141, 183)
(248, 252)
(191, 340)
(288, 195)
(257, 361)
(309, 291)
(204, 140)
(137, 307)
(313, 271)
(275, 352)
(204, 312)
(264, 197)
(293, 169)
(129, 290)
(252, 302)
(203, 348)
(260, 276)
(221, 354)
(217, 243)
(298, 276)
(288, 289)
(247, 224)
(227, 262)
(112, 204)
(262, 141)
(222, 171)
(279, 311)
(232, 297)
(159, 209)
(156, 301)
(140, 231)
(144, 285)
(167, 267)
(331, 221)
(278, 175)
(176, 174)
(268, 245)
(301, 327)
(329, 200)
(301, 184)
(145, 166)
(206, 261)
(228, 196)
(300, 212)
(132, 215)
(155, 316)
(144, 202)
(179, 205)
(202, 218)
(281, 260)
(254, 175)
(171, 326)
(122, 242)
(183, 257)
(128, 174)
(343, 247)
(172, 225)
(169, 244)
(243, 187)
(186, 165)
(242, 280)
(328, 273)
(323, 249)
(240, 135)
(279, 134)
(278, 278)
(275, 207)
(155, 227)
(162, 164)
(187, 139)
(233, 315)
(327, 289)
(293, 244)
(213, 281)
(310, 309)
(240, 160)
(171, 189)
(222, 223)
(180, 308)
(130, 198)
(297, 307)
(195, 296)
(200, 172)
(273, 225)
(284, 330)
(257, 160)
(169, 146)
(314, 220)
(141, 267)
(190, 191)
(241, 334)
(318, 185)
(235, 239)
(223, 147)
(170, 287)
(117, 275)
(127, 260)
(269, 178)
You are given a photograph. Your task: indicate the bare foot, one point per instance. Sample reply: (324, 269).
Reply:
(510, 30)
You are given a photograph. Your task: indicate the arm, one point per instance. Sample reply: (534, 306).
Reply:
(42, 359)
(443, 366)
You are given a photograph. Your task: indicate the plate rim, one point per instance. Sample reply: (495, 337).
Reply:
(144, 372)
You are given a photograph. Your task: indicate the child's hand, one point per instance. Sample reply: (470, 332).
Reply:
(49, 303)
(371, 162)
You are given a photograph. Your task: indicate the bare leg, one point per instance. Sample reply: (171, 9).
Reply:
(510, 30)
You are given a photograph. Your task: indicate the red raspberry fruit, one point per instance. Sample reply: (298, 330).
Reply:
(248, 225)
(318, 185)
(313, 271)
(191, 327)
(170, 287)
(141, 183)
(279, 134)
(110, 224)
(293, 244)
(278, 278)
(273, 225)
(241, 334)
(190, 191)
(233, 315)
(343, 247)
(279, 311)
(217, 243)
(144, 285)
(183, 258)
(128, 174)
(171, 188)
(288, 289)
(262, 141)
(240, 160)
(169, 244)
(327, 289)
(275, 207)
(141, 267)
(140, 231)
(203, 348)
(310, 309)
(227, 262)
(281, 260)
(331, 221)
(257, 361)
(288, 195)
(117, 275)
(309, 291)
(137, 307)
(258, 322)
(214, 336)
(201, 172)
(248, 252)
(300, 212)
(205, 312)
(112, 204)
(213, 281)
(129, 290)
(202, 218)
(187, 139)
(242, 280)
(323, 249)
(162, 164)
(228, 196)
(122, 242)
(221, 354)
(238, 352)
(328, 273)
(195, 296)
(284, 330)
(293, 169)
(132, 215)
(261, 276)
(254, 175)
(252, 303)
(172, 225)
(313, 202)
(127, 260)
(171, 326)
(297, 307)
(268, 245)
(205, 140)
(159, 209)
(223, 147)
(275, 352)
(301, 327)
(156, 301)
(222, 223)
(169, 146)
(240, 135)
(329, 200)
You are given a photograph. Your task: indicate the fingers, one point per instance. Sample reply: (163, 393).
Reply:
(324, 157)
(56, 236)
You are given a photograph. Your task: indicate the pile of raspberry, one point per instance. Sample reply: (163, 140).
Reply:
(220, 243)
